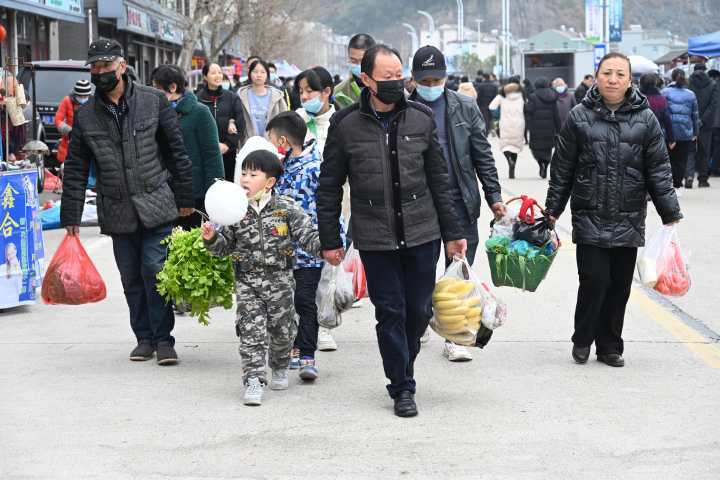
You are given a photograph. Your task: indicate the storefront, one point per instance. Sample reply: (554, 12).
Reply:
(150, 34)
(32, 26)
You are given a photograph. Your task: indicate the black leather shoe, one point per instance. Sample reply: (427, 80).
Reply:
(612, 359)
(166, 354)
(704, 184)
(143, 352)
(580, 354)
(405, 405)
(688, 182)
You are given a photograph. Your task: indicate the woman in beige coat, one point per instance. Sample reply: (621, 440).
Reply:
(512, 122)
(260, 101)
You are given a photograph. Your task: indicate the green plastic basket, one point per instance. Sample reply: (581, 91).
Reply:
(508, 271)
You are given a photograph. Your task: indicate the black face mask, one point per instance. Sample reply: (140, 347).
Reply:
(390, 91)
(105, 82)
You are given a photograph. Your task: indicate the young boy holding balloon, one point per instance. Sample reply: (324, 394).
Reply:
(262, 245)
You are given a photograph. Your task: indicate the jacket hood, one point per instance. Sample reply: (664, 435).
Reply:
(634, 100)
(292, 164)
(700, 80)
(186, 103)
(547, 95)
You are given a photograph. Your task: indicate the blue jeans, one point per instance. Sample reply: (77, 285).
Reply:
(139, 257)
(401, 283)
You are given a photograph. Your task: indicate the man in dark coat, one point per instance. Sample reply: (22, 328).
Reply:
(401, 207)
(704, 89)
(144, 181)
(583, 88)
(487, 90)
(543, 122)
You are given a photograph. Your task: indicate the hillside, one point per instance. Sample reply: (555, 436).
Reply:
(383, 18)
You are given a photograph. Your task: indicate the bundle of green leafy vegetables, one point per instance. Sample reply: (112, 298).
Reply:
(194, 278)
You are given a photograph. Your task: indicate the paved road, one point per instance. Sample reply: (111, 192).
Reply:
(73, 407)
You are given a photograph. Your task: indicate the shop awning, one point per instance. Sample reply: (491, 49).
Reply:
(67, 10)
(705, 45)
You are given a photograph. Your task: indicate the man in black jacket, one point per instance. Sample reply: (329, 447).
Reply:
(582, 89)
(144, 181)
(401, 207)
(461, 134)
(704, 89)
(487, 90)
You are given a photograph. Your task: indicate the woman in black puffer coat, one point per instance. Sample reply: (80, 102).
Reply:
(543, 122)
(609, 155)
(225, 106)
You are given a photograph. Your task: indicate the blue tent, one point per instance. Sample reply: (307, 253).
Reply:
(705, 45)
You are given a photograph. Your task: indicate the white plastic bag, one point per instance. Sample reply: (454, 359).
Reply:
(457, 304)
(663, 265)
(494, 310)
(334, 295)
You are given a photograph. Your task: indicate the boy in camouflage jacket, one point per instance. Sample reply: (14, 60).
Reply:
(263, 253)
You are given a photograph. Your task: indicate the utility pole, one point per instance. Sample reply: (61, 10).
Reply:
(460, 25)
(414, 39)
(431, 25)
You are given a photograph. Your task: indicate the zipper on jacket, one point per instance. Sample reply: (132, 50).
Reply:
(262, 236)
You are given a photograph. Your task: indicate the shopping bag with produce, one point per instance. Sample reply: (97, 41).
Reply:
(71, 277)
(353, 265)
(457, 304)
(663, 265)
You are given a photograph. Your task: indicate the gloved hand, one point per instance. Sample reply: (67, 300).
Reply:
(64, 129)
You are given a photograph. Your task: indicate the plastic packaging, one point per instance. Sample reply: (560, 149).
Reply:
(334, 295)
(663, 265)
(353, 265)
(71, 277)
(457, 304)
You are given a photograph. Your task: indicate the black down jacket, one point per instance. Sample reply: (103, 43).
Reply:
(225, 105)
(143, 172)
(704, 89)
(542, 118)
(399, 186)
(605, 163)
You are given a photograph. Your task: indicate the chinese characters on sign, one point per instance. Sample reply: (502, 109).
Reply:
(22, 254)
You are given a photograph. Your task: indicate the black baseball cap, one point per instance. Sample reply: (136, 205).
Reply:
(428, 62)
(104, 50)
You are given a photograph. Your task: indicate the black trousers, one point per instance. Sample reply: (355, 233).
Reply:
(679, 160)
(543, 156)
(306, 285)
(703, 154)
(511, 156)
(605, 282)
(400, 284)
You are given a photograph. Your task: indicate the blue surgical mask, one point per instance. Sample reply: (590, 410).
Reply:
(561, 89)
(355, 69)
(313, 106)
(273, 77)
(83, 101)
(430, 94)
(226, 85)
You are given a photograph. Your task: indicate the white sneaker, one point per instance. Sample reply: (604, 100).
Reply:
(426, 336)
(279, 379)
(253, 392)
(456, 353)
(326, 343)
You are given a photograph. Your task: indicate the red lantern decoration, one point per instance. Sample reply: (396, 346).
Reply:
(3, 34)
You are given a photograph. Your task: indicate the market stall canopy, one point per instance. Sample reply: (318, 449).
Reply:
(642, 65)
(285, 69)
(705, 45)
(673, 56)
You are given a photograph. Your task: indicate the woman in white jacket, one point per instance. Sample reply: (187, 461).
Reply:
(314, 87)
(512, 122)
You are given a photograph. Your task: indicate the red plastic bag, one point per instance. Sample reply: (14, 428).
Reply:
(353, 264)
(71, 277)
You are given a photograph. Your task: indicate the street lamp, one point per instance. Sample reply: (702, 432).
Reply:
(414, 38)
(431, 26)
(460, 23)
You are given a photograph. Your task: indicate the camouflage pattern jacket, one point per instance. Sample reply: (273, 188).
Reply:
(264, 241)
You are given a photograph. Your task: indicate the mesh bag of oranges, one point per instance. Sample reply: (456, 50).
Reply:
(457, 304)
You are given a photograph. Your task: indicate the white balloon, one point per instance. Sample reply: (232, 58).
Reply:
(226, 203)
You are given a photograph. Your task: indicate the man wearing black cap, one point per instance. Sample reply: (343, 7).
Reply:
(461, 133)
(130, 133)
(401, 207)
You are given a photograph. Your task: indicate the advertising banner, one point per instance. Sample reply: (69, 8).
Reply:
(22, 252)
